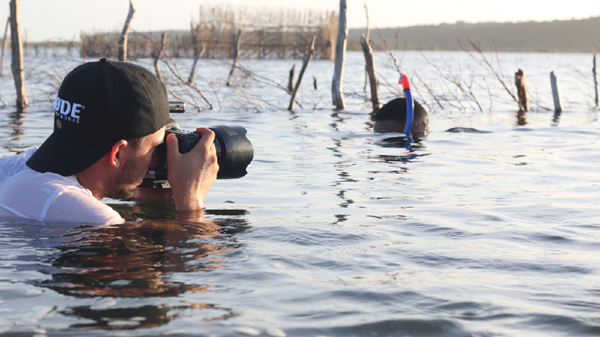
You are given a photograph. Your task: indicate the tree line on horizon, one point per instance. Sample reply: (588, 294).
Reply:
(572, 36)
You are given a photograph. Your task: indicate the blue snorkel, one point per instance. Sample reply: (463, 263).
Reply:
(410, 108)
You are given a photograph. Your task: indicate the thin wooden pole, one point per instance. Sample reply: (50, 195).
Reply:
(17, 54)
(521, 84)
(367, 33)
(236, 50)
(291, 79)
(125, 33)
(340, 54)
(309, 55)
(4, 44)
(159, 55)
(595, 73)
(555, 92)
(371, 71)
(198, 56)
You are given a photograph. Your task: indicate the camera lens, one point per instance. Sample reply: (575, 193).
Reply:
(234, 153)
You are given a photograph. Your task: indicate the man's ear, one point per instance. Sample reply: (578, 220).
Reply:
(117, 155)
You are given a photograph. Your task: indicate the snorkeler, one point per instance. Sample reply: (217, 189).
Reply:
(392, 118)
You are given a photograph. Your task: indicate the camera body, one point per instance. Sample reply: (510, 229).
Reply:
(234, 150)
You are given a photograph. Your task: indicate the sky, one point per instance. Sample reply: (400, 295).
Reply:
(43, 20)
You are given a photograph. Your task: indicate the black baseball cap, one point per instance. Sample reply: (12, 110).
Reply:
(98, 104)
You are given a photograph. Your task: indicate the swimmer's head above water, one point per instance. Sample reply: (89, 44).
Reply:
(392, 118)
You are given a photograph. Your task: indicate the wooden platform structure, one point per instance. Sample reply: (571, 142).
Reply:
(267, 33)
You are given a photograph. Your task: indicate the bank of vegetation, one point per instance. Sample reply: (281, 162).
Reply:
(269, 34)
(581, 35)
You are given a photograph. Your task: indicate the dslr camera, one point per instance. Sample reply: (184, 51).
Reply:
(234, 150)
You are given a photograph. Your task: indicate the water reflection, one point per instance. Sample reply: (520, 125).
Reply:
(521, 118)
(17, 124)
(136, 260)
(411, 146)
(556, 117)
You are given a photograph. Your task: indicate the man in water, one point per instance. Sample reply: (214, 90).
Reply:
(392, 117)
(108, 119)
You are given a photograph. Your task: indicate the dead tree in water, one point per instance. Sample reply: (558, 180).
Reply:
(4, 44)
(340, 53)
(555, 92)
(521, 85)
(125, 33)
(595, 73)
(236, 51)
(309, 55)
(17, 54)
(159, 54)
(367, 37)
(371, 72)
(486, 63)
(193, 71)
(291, 78)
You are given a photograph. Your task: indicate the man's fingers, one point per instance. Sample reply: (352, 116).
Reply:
(208, 136)
(172, 147)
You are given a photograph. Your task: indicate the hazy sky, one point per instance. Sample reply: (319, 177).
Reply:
(65, 19)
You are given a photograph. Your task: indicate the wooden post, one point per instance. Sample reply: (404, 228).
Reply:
(291, 79)
(555, 92)
(522, 90)
(367, 37)
(371, 71)
(17, 54)
(340, 54)
(4, 44)
(26, 44)
(595, 73)
(159, 55)
(236, 50)
(198, 56)
(125, 33)
(309, 55)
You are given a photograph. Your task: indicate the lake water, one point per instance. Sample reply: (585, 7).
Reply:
(336, 230)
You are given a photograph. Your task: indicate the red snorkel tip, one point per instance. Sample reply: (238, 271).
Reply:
(404, 82)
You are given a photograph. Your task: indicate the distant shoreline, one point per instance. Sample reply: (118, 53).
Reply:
(562, 36)
(576, 35)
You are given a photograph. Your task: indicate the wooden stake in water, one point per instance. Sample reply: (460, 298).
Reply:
(340, 54)
(17, 54)
(236, 50)
(595, 73)
(555, 92)
(522, 90)
(159, 55)
(309, 55)
(4, 44)
(291, 78)
(193, 71)
(125, 33)
(371, 71)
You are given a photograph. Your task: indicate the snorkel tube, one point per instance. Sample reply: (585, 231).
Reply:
(410, 109)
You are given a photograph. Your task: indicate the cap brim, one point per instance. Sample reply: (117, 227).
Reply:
(66, 159)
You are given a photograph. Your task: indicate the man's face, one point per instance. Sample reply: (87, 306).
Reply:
(137, 164)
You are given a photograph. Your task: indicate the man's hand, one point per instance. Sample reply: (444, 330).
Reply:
(191, 174)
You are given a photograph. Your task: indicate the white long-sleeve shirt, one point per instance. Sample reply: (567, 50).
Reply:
(48, 197)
